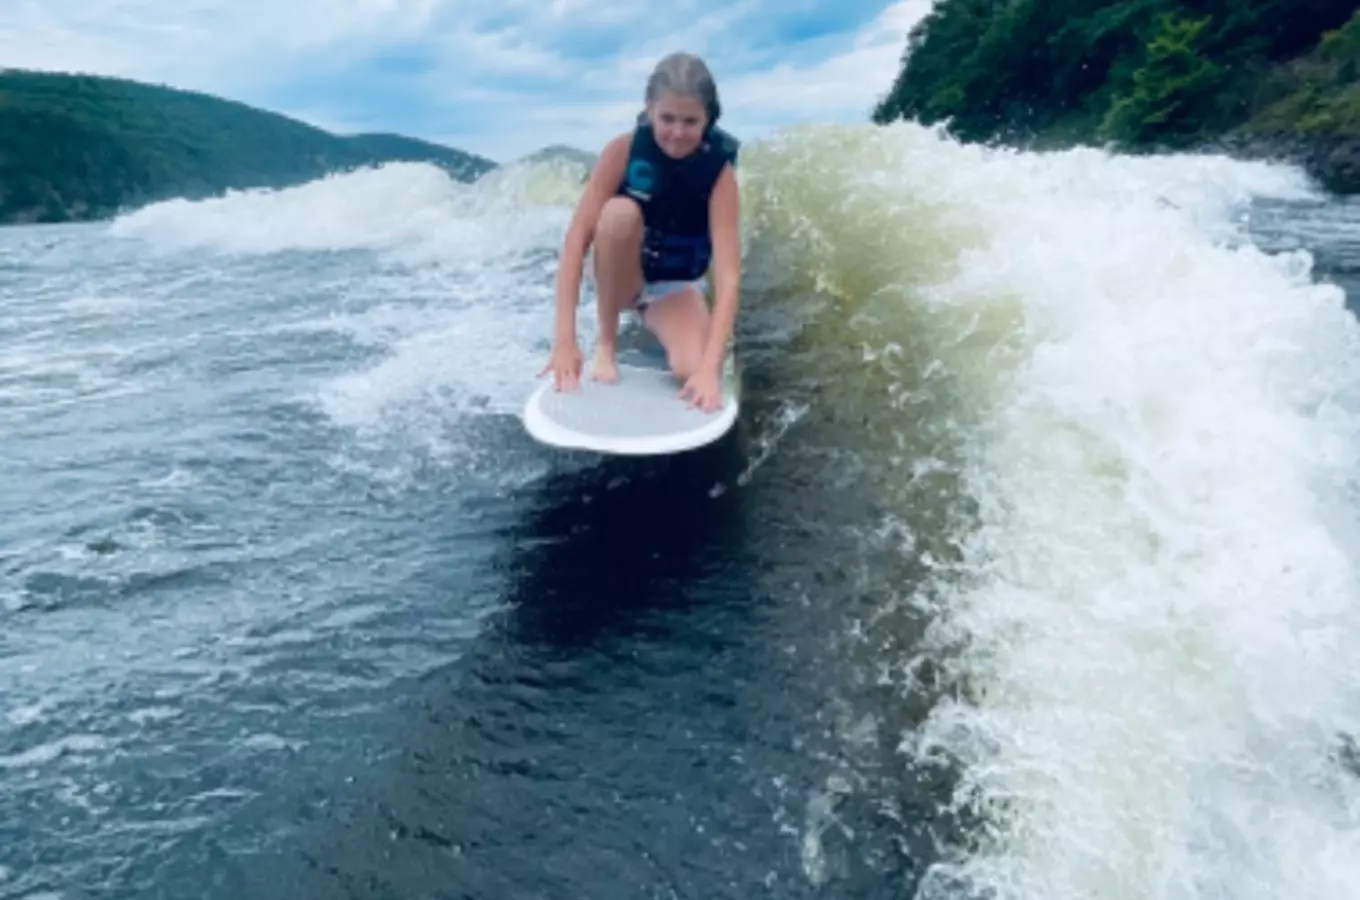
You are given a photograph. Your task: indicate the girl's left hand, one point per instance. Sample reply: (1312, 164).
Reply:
(704, 390)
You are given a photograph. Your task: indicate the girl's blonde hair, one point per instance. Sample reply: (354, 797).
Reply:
(684, 75)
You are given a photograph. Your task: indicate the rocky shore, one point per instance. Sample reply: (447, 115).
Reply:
(1332, 159)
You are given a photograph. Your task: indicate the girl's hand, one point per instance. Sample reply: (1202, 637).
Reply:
(565, 364)
(703, 389)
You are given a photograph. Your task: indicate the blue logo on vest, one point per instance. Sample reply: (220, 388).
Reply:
(641, 177)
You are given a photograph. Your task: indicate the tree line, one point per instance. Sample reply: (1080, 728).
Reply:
(1131, 73)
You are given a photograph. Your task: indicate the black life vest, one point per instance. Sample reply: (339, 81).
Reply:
(673, 194)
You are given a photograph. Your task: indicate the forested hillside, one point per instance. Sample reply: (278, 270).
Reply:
(1264, 75)
(76, 147)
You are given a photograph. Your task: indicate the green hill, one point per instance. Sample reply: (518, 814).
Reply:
(1266, 77)
(560, 152)
(78, 147)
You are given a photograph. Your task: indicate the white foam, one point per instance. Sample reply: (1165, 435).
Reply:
(413, 212)
(1157, 609)
(472, 356)
(452, 286)
(445, 370)
(372, 208)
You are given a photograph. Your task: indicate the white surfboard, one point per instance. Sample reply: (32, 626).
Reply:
(641, 414)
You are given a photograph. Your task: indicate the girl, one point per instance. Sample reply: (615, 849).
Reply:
(660, 207)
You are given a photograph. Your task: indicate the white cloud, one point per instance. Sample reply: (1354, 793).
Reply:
(840, 87)
(212, 44)
(504, 77)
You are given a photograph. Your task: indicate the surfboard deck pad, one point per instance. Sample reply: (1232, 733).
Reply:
(640, 414)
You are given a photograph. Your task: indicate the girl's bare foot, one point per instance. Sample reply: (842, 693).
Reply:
(603, 368)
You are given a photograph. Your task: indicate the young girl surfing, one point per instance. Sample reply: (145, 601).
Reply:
(660, 208)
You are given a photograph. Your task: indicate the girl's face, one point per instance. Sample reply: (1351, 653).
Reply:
(678, 123)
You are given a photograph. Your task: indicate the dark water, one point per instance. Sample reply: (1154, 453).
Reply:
(649, 715)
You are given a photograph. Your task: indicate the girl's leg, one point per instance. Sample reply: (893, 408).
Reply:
(618, 276)
(680, 321)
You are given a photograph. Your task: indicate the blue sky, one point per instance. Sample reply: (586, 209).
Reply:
(497, 77)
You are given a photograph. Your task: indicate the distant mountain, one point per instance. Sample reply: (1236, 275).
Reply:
(80, 147)
(560, 152)
(383, 147)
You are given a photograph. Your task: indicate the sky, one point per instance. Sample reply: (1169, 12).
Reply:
(501, 78)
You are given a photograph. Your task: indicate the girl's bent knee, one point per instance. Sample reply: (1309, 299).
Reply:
(620, 218)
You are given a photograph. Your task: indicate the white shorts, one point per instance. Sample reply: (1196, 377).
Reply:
(657, 289)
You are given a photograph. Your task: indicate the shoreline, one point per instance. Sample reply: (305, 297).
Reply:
(1331, 160)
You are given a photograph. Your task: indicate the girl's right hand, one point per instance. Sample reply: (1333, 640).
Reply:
(565, 364)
